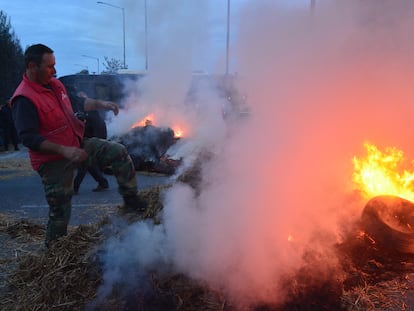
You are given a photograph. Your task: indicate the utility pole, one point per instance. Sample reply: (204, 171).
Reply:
(228, 37)
(146, 36)
(312, 5)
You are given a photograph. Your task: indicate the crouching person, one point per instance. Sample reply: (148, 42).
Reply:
(46, 124)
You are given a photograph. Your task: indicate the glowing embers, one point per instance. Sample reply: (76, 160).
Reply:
(383, 173)
(149, 120)
(178, 131)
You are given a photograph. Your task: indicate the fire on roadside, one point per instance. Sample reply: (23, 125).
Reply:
(148, 120)
(179, 130)
(383, 173)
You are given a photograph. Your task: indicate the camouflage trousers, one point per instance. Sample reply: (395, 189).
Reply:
(57, 180)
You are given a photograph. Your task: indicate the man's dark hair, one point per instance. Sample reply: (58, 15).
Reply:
(34, 53)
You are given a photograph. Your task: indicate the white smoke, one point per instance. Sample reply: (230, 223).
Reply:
(134, 252)
(319, 85)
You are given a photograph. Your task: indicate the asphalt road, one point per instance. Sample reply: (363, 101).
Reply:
(21, 195)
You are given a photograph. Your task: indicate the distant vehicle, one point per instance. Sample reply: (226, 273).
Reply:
(105, 86)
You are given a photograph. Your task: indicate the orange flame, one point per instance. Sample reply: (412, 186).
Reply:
(178, 131)
(149, 119)
(382, 173)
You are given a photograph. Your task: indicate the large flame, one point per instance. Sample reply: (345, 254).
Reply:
(383, 173)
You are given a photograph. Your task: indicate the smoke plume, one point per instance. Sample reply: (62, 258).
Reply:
(319, 84)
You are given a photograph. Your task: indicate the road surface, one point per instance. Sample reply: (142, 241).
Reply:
(21, 193)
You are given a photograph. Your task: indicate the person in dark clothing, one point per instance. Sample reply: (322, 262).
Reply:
(95, 126)
(9, 130)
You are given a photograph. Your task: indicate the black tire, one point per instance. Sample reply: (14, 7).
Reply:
(389, 220)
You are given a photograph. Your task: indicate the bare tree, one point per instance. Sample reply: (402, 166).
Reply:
(112, 65)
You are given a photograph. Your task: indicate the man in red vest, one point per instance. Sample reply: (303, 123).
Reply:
(46, 124)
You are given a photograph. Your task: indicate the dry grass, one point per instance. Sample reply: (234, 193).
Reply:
(68, 274)
(387, 295)
(377, 279)
(60, 278)
(67, 277)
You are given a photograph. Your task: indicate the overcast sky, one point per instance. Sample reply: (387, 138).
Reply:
(84, 27)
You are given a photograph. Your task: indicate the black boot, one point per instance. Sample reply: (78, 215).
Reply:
(133, 204)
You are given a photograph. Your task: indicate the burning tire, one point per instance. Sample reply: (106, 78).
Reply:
(389, 220)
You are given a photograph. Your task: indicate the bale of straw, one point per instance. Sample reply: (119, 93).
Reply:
(67, 276)
(63, 277)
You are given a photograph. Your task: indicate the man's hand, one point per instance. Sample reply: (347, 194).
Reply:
(110, 106)
(74, 154)
(96, 104)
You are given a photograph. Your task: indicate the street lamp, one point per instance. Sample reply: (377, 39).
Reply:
(123, 21)
(97, 60)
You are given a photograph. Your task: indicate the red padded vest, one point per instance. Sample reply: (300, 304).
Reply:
(57, 122)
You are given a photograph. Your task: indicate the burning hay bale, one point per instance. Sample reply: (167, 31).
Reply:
(147, 146)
